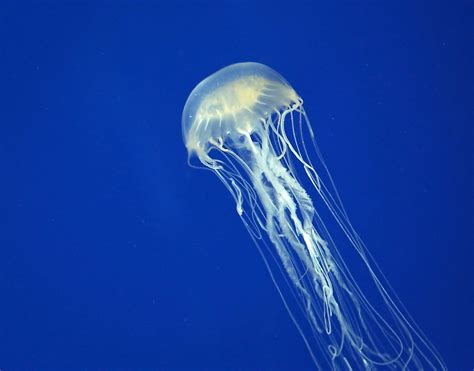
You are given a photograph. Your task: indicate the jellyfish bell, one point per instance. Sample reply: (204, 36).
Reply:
(248, 125)
(235, 101)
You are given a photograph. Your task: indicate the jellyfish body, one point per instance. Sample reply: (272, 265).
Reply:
(248, 125)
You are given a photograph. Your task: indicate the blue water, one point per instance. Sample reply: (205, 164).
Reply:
(114, 253)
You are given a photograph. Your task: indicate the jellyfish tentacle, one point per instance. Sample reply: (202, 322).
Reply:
(248, 125)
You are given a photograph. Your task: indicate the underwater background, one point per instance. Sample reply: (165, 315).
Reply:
(114, 253)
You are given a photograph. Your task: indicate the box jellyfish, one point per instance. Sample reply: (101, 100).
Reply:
(248, 126)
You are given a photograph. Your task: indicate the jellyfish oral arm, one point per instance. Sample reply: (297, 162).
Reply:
(288, 214)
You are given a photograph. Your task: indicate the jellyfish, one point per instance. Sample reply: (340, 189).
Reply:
(248, 126)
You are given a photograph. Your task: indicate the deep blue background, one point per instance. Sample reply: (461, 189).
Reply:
(114, 253)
